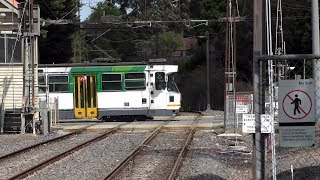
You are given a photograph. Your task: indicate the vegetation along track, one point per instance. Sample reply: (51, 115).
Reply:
(79, 145)
(156, 155)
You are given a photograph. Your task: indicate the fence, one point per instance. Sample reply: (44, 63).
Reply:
(287, 87)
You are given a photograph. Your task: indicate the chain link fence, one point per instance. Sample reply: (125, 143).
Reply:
(287, 89)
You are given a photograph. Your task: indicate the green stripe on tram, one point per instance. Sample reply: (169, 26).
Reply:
(98, 70)
(94, 69)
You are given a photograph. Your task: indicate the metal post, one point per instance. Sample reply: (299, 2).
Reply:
(1, 116)
(23, 124)
(56, 109)
(226, 85)
(258, 49)
(316, 51)
(208, 69)
(258, 137)
(44, 115)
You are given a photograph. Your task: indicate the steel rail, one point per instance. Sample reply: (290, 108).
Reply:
(183, 151)
(44, 163)
(125, 161)
(9, 155)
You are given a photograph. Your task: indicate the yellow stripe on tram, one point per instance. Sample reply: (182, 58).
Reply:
(171, 105)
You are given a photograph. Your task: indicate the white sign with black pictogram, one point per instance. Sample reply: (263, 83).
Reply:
(296, 113)
(296, 101)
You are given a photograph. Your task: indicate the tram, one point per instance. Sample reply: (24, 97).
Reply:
(110, 91)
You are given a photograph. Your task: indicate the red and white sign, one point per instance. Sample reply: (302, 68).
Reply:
(297, 104)
(296, 100)
(296, 113)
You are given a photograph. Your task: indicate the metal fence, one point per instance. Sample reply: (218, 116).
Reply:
(287, 88)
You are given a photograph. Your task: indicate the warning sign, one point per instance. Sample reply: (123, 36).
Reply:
(248, 123)
(296, 99)
(296, 113)
(242, 109)
(294, 136)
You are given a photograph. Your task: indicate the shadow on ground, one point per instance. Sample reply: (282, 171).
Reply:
(311, 172)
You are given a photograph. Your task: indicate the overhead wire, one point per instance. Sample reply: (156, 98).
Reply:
(288, 4)
(49, 9)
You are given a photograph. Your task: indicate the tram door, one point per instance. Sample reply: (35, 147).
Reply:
(85, 96)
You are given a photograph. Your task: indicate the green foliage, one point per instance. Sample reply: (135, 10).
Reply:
(79, 47)
(58, 9)
(166, 43)
(103, 8)
(55, 40)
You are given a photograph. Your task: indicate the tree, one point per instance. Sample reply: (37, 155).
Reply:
(102, 9)
(166, 43)
(55, 42)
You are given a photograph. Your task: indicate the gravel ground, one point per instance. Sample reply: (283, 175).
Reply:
(11, 143)
(305, 161)
(210, 157)
(92, 162)
(157, 159)
(11, 166)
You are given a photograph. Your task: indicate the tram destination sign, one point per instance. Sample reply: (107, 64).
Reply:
(296, 113)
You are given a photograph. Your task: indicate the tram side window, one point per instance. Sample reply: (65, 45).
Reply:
(160, 81)
(111, 82)
(135, 81)
(42, 84)
(58, 83)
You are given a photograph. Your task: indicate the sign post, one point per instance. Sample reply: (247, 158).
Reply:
(296, 113)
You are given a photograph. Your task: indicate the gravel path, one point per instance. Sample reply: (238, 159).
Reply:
(94, 161)
(11, 166)
(157, 159)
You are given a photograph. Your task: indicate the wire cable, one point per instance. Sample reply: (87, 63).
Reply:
(50, 9)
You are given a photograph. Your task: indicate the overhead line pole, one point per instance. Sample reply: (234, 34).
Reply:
(316, 51)
(208, 71)
(259, 146)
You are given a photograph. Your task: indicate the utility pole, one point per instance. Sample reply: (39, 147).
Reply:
(259, 146)
(230, 62)
(29, 17)
(208, 110)
(316, 51)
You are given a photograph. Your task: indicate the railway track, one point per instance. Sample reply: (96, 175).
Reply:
(12, 154)
(122, 165)
(183, 151)
(61, 155)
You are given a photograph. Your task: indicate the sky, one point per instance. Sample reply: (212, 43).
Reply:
(85, 10)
